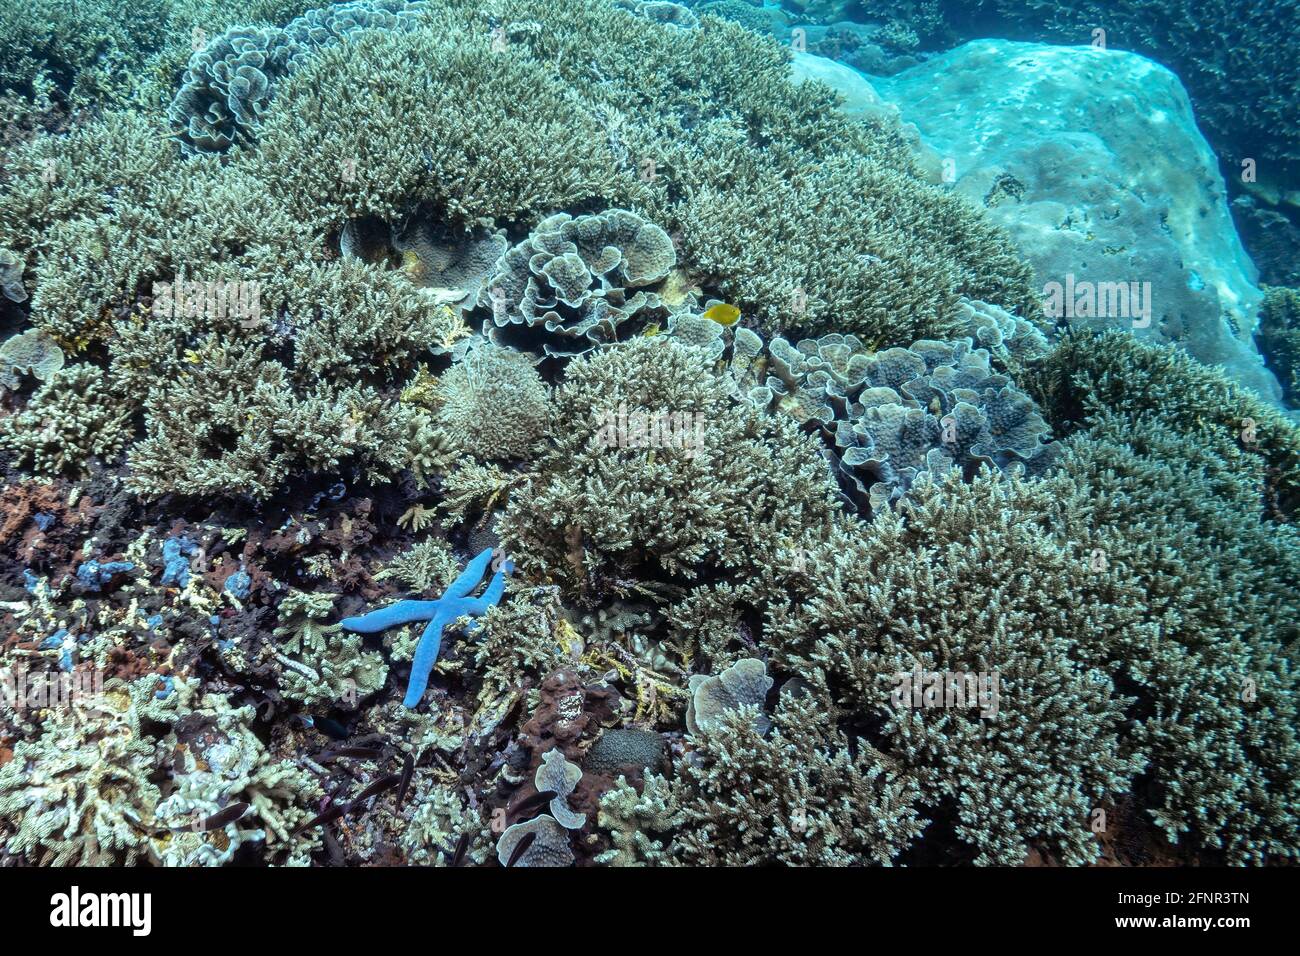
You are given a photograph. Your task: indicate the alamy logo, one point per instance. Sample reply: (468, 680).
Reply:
(76, 909)
(220, 299)
(950, 689)
(23, 689)
(1099, 300)
(643, 429)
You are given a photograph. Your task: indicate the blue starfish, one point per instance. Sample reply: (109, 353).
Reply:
(456, 602)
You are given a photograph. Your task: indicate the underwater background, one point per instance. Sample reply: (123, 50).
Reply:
(623, 432)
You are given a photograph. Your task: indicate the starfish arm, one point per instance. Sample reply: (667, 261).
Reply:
(403, 612)
(469, 578)
(426, 655)
(491, 596)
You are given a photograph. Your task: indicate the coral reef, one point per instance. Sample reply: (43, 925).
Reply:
(664, 364)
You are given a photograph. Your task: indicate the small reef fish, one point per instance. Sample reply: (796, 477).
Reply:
(722, 313)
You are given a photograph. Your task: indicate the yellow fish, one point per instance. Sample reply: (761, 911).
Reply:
(722, 313)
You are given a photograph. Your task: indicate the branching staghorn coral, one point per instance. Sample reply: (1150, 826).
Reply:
(440, 819)
(113, 51)
(604, 107)
(222, 764)
(720, 490)
(80, 793)
(1220, 737)
(71, 418)
(328, 667)
(969, 578)
(425, 566)
(1181, 521)
(84, 791)
(799, 796)
(467, 129)
(518, 642)
(1279, 338)
(1087, 375)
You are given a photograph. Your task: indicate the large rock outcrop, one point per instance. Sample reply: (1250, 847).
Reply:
(1093, 161)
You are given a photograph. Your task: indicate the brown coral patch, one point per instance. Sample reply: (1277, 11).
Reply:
(54, 547)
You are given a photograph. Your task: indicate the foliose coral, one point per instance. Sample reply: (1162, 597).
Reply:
(573, 283)
(29, 353)
(743, 684)
(550, 845)
(559, 776)
(11, 276)
(897, 413)
(230, 81)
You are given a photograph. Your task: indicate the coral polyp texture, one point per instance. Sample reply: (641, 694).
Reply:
(521, 434)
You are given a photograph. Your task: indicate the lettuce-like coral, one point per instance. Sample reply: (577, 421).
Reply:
(897, 413)
(230, 81)
(573, 282)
